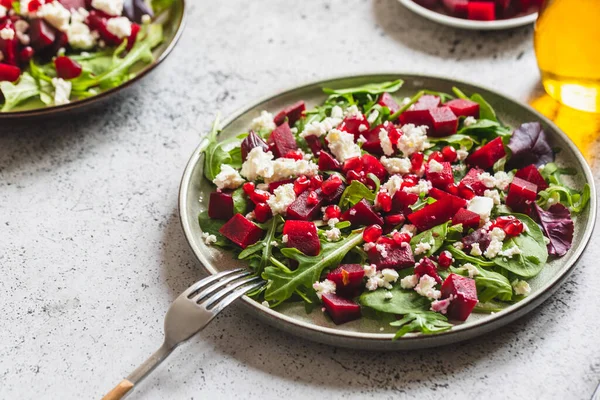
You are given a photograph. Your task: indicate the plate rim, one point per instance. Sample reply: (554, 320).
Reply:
(78, 104)
(409, 341)
(461, 23)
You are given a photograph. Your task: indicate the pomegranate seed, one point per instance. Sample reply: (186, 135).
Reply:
(34, 5)
(262, 212)
(331, 185)
(372, 233)
(385, 240)
(409, 181)
(312, 198)
(332, 212)
(316, 182)
(449, 153)
(384, 201)
(394, 219)
(400, 238)
(248, 188)
(259, 196)
(294, 155)
(301, 184)
(353, 164)
(416, 161)
(445, 259)
(514, 228)
(354, 176)
(26, 54)
(437, 156)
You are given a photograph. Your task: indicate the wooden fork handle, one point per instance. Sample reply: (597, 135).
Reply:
(119, 391)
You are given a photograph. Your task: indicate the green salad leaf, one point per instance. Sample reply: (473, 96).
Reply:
(574, 200)
(212, 226)
(370, 88)
(427, 322)
(434, 236)
(354, 193)
(461, 255)
(263, 247)
(490, 284)
(402, 301)
(461, 140)
(16, 93)
(214, 153)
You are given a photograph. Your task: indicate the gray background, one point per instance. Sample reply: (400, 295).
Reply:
(92, 254)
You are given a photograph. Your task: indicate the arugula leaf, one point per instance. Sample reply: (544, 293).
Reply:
(402, 301)
(282, 284)
(14, 94)
(214, 155)
(434, 236)
(369, 88)
(489, 307)
(212, 227)
(354, 193)
(485, 129)
(461, 255)
(575, 200)
(264, 246)
(460, 139)
(240, 202)
(490, 284)
(427, 322)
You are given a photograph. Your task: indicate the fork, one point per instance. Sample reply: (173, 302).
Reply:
(190, 313)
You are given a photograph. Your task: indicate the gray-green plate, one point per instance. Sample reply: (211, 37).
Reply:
(365, 333)
(174, 22)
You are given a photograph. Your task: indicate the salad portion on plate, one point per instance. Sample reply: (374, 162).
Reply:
(55, 51)
(415, 212)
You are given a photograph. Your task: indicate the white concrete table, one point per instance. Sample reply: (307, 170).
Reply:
(92, 252)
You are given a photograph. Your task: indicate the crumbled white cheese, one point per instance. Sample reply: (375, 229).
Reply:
(435, 166)
(373, 116)
(499, 180)
(337, 112)
(421, 188)
(333, 222)
(409, 282)
(259, 164)
(274, 243)
(471, 269)
(265, 304)
(410, 229)
(389, 275)
(362, 128)
(3, 11)
(475, 249)
(284, 238)
(388, 295)
(382, 250)
(385, 142)
(21, 27)
(263, 186)
(327, 286)
(7, 34)
(368, 246)
(481, 205)
(396, 165)
(370, 270)
(208, 238)
(511, 252)
(352, 111)
(342, 145)
(521, 288)
(392, 185)
(120, 27)
(282, 197)
(62, 91)
(458, 245)
(441, 306)
(383, 278)
(320, 128)
(494, 195)
(497, 235)
(228, 178)
(422, 248)
(462, 153)
(333, 234)
(413, 140)
(426, 287)
(251, 216)
(56, 15)
(110, 7)
(469, 121)
(374, 282)
(263, 122)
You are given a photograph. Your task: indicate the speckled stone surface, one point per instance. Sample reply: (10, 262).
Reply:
(92, 252)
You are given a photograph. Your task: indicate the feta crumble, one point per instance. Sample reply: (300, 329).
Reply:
(259, 164)
(475, 249)
(352, 111)
(413, 140)
(494, 195)
(511, 252)
(410, 229)
(462, 153)
(265, 304)
(284, 238)
(7, 34)
(120, 27)
(470, 269)
(388, 295)
(521, 288)
(342, 145)
(263, 122)
(327, 286)
(435, 166)
(426, 287)
(409, 282)
(228, 178)
(499, 180)
(392, 185)
(370, 270)
(421, 188)
(458, 245)
(333, 234)
(208, 238)
(441, 306)
(422, 248)
(382, 250)
(497, 236)
(62, 91)
(481, 205)
(56, 15)
(282, 197)
(362, 128)
(3, 11)
(110, 7)
(385, 142)
(396, 165)
(469, 121)
(383, 278)
(320, 128)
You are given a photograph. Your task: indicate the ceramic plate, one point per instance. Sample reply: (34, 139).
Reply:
(461, 23)
(173, 28)
(365, 333)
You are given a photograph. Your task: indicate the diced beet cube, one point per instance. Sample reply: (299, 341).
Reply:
(531, 174)
(328, 163)
(347, 278)
(481, 11)
(220, 205)
(302, 209)
(521, 194)
(314, 143)
(427, 102)
(67, 68)
(282, 140)
(352, 124)
(402, 201)
(386, 100)
(440, 194)
(471, 181)
(302, 235)
(362, 213)
(443, 122)
(275, 185)
(486, 156)
(467, 218)
(241, 231)
(98, 21)
(464, 296)
(41, 34)
(340, 310)
(418, 113)
(293, 113)
(458, 8)
(395, 256)
(427, 267)
(436, 213)
(373, 147)
(479, 236)
(334, 197)
(9, 73)
(251, 141)
(464, 108)
(440, 179)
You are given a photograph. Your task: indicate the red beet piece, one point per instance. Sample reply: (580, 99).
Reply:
(9, 73)
(386, 100)
(41, 34)
(340, 310)
(427, 267)
(67, 68)
(372, 165)
(486, 156)
(293, 113)
(531, 174)
(471, 181)
(302, 235)
(402, 201)
(362, 213)
(440, 179)
(135, 30)
(302, 209)
(26, 54)
(464, 108)
(458, 8)
(440, 194)
(241, 231)
(98, 21)
(347, 278)
(481, 11)
(467, 218)
(479, 236)
(314, 143)
(396, 256)
(282, 140)
(220, 205)
(521, 194)
(352, 124)
(436, 213)
(418, 113)
(464, 296)
(251, 141)
(328, 163)
(443, 122)
(334, 197)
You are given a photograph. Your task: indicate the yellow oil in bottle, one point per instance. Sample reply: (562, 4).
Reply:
(567, 46)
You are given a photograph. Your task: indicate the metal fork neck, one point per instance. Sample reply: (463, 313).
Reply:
(152, 362)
